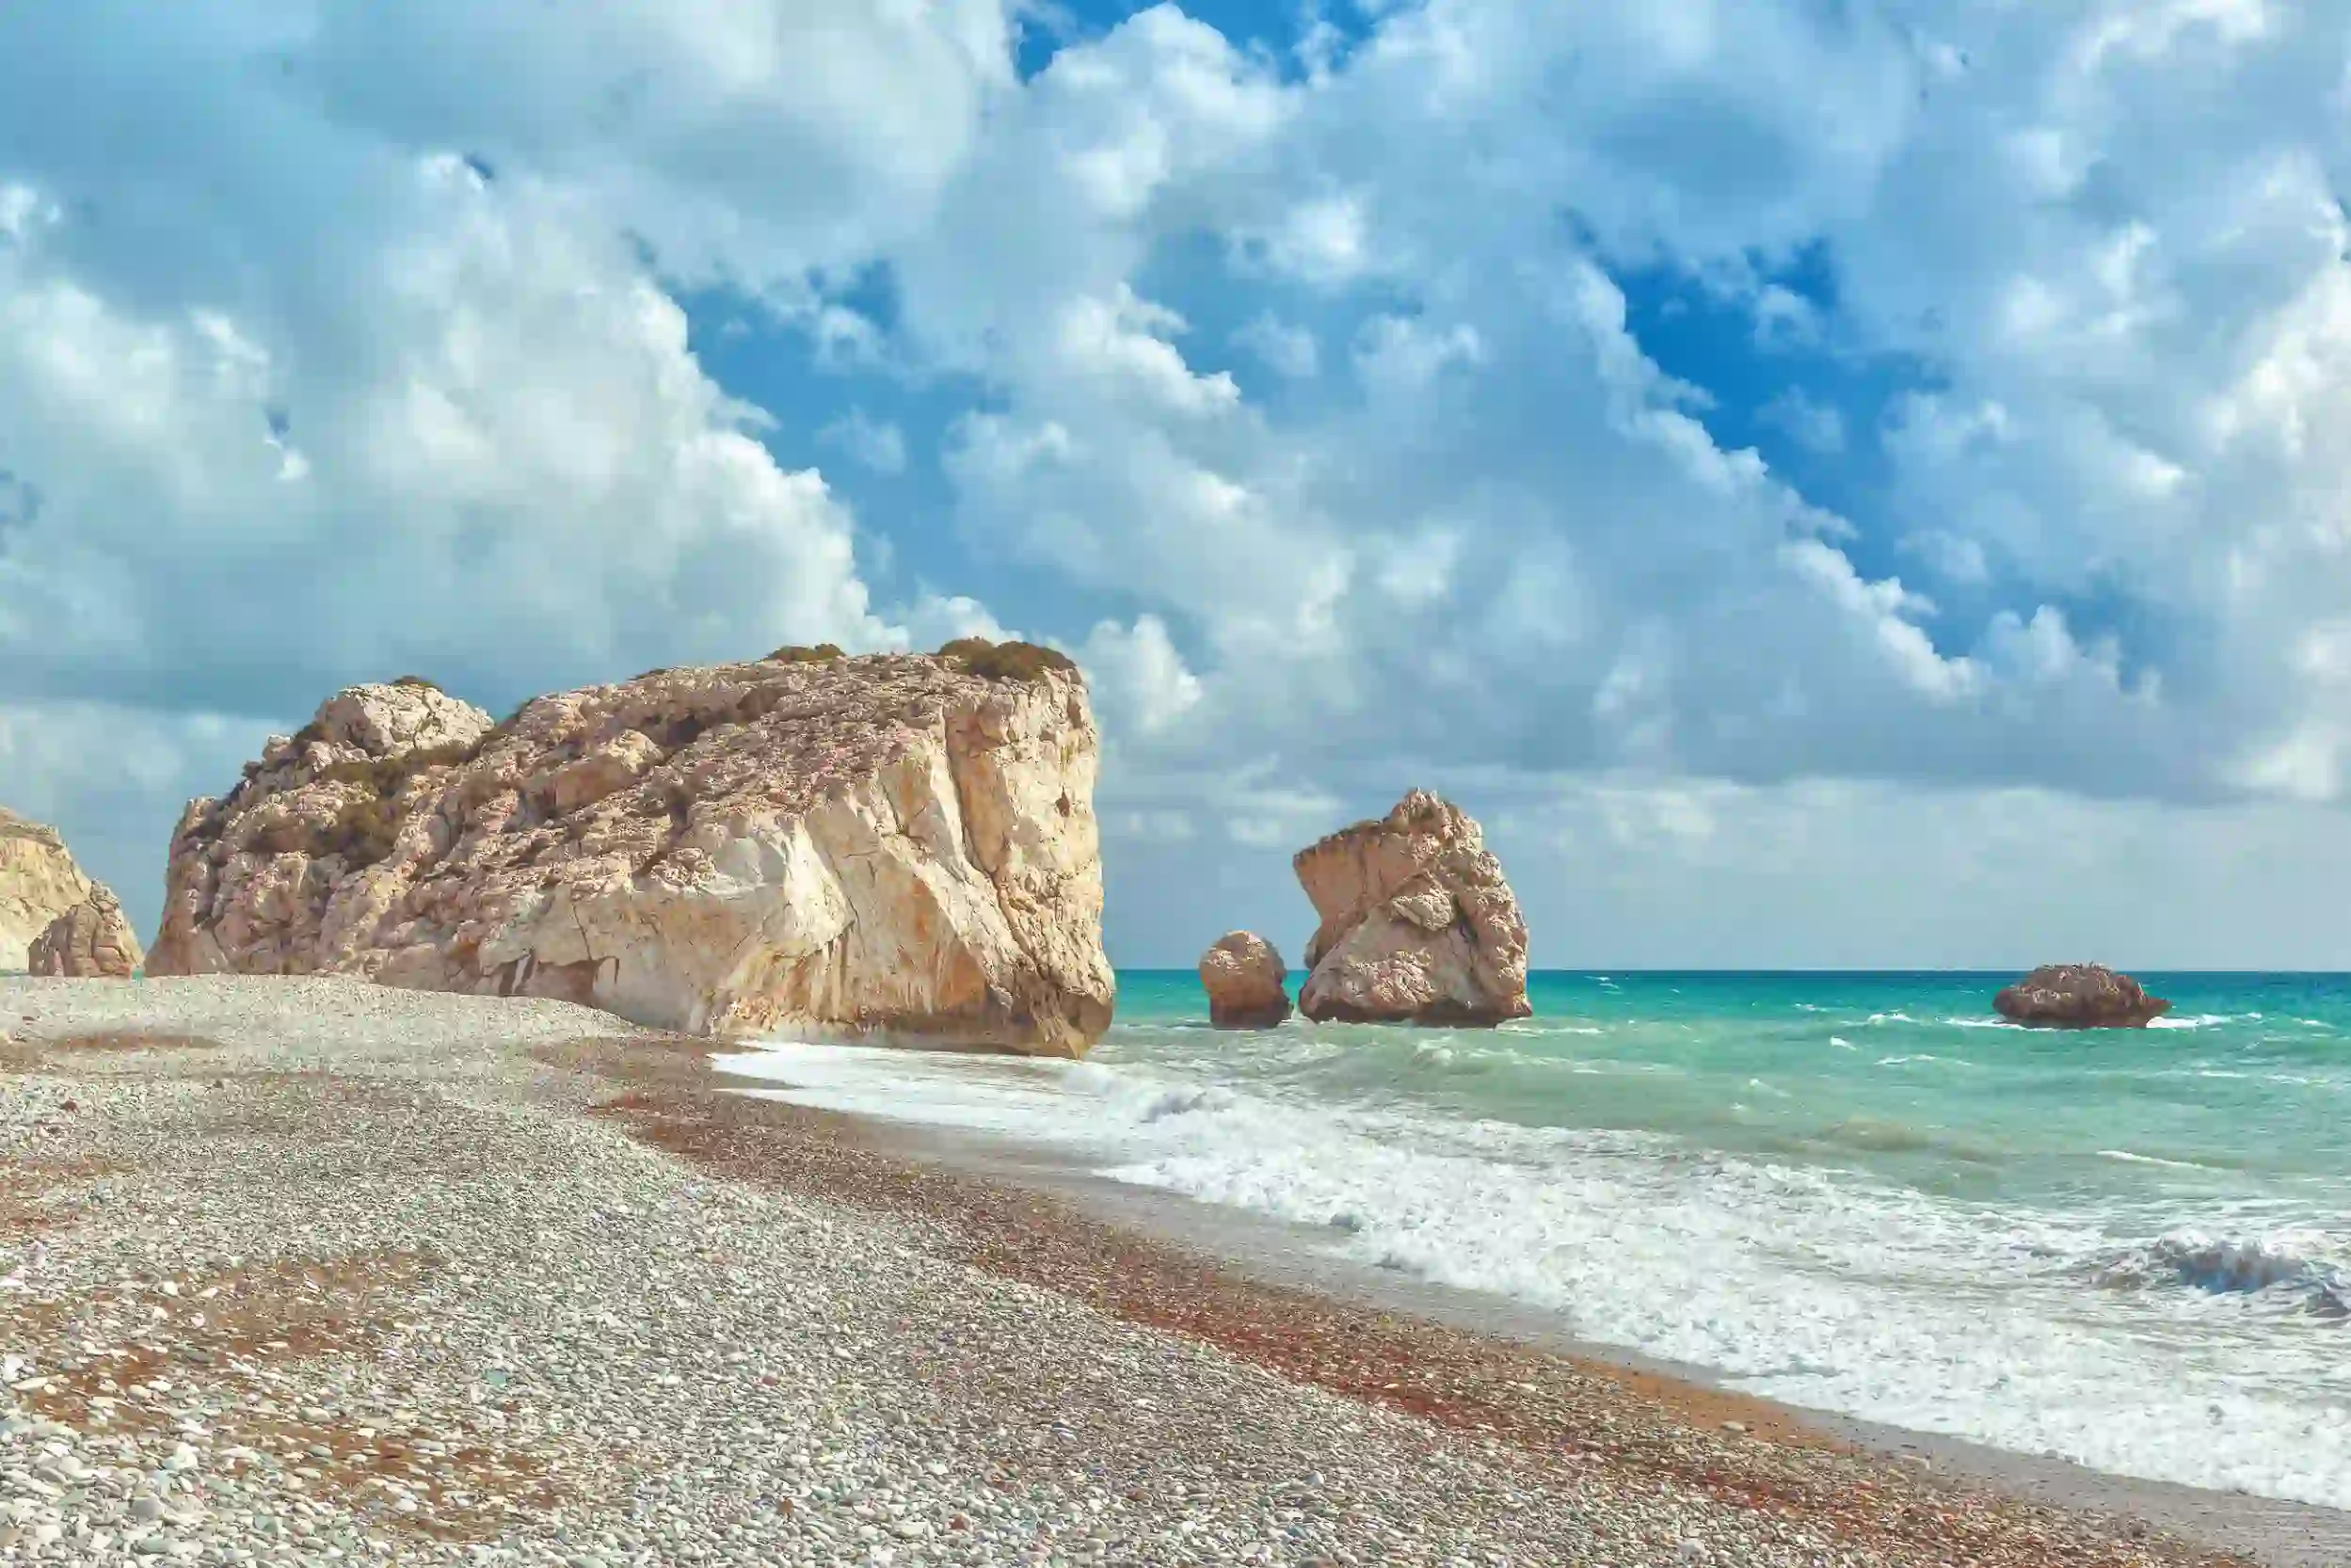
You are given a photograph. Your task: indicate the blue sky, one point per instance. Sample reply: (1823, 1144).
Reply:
(1825, 484)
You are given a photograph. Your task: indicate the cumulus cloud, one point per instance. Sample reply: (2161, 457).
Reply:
(115, 776)
(750, 142)
(1285, 349)
(519, 395)
(390, 404)
(1817, 427)
(878, 444)
(410, 384)
(1510, 390)
(1143, 678)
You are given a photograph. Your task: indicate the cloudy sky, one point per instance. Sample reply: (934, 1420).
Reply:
(1827, 482)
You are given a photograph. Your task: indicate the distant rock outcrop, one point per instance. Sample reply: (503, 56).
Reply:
(89, 942)
(39, 882)
(2078, 996)
(1418, 925)
(897, 844)
(1243, 975)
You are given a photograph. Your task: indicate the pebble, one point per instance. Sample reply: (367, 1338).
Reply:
(433, 1290)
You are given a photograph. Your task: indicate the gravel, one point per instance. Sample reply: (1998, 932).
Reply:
(346, 1274)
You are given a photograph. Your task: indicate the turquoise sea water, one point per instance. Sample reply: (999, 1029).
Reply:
(1858, 1192)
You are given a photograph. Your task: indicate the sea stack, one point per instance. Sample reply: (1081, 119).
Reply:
(1418, 925)
(2078, 996)
(1243, 975)
(90, 941)
(897, 846)
(39, 882)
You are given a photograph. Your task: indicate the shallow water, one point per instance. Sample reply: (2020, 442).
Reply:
(1858, 1192)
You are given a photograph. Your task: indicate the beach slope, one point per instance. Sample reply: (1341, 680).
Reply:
(294, 1265)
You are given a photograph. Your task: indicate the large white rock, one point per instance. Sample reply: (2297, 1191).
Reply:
(39, 882)
(1418, 925)
(90, 941)
(902, 845)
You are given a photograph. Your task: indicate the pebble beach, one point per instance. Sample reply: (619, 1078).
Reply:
(309, 1270)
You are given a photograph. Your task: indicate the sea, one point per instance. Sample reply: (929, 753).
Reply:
(1863, 1193)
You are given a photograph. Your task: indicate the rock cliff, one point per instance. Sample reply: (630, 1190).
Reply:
(1418, 925)
(1243, 975)
(899, 845)
(2078, 996)
(39, 882)
(90, 941)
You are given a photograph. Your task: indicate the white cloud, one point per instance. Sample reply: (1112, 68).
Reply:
(1324, 241)
(514, 393)
(748, 139)
(1121, 346)
(1417, 569)
(1879, 612)
(1951, 556)
(878, 444)
(2099, 249)
(1399, 356)
(115, 776)
(935, 619)
(1649, 871)
(1786, 319)
(1285, 349)
(1142, 678)
(1817, 427)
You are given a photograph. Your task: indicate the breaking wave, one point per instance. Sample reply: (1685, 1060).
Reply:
(2293, 1269)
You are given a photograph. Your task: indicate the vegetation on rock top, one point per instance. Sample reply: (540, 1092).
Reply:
(1006, 661)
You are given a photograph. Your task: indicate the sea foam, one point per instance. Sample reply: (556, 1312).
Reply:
(1819, 1286)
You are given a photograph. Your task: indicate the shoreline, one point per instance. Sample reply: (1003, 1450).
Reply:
(2276, 1533)
(2272, 1531)
(709, 1319)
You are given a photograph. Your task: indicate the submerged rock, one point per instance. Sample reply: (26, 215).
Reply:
(39, 882)
(1418, 925)
(2078, 996)
(1243, 976)
(91, 941)
(902, 845)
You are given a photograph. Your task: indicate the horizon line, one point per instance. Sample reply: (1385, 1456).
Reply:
(1599, 971)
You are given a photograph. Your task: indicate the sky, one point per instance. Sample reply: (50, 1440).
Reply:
(1824, 483)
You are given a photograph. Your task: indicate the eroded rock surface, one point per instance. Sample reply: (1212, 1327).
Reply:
(39, 882)
(1418, 925)
(90, 941)
(1243, 976)
(901, 844)
(2079, 996)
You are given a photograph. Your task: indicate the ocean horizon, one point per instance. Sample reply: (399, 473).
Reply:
(1851, 1191)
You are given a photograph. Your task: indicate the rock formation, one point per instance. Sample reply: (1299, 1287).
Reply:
(91, 940)
(39, 881)
(1418, 925)
(2078, 996)
(899, 845)
(1243, 976)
